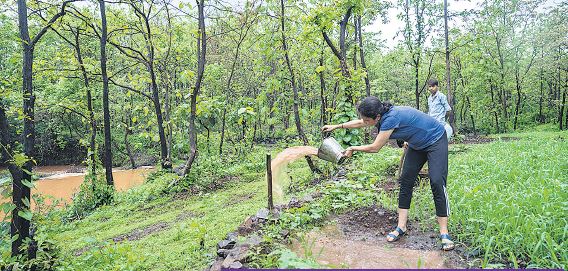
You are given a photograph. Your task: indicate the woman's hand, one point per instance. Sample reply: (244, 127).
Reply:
(329, 128)
(348, 152)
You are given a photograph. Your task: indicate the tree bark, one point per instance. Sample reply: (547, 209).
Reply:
(201, 53)
(362, 55)
(518, 104)
(493, 107)
(20, 227)
(561, 112)
(451, 118)
(322, 93)
(106, 109)
(92, 142)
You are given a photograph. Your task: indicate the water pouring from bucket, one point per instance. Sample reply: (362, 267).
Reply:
(330, 150)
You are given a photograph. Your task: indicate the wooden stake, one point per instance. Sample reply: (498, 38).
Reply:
(269, 180)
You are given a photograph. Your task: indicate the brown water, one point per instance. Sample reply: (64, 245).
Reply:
(62, 186)
(279, 163)
(331, 247)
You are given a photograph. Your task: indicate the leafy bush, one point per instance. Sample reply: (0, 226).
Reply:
(93, 193)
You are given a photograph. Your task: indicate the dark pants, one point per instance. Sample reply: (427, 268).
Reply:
(437, 157)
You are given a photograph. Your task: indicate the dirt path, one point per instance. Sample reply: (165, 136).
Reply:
(356, 240)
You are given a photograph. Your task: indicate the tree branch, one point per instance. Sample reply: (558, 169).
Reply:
(53, 19)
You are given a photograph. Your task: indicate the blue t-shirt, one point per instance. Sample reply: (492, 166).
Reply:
(412, 126)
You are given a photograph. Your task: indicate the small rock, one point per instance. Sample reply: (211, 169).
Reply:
(262, 214)
(232, 236)
(253, 240)
(284, 233)
(275, 215)
(247, 226)
(216, 266)
(294, 203)
(308, 198)
(226, 244)
(236, 265)
(228, 261)
(223, 252)
(472, 253)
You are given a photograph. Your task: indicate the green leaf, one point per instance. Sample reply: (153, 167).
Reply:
(320, 69)
(26, 202)
(26, 214)
(7, 207)
(20, 159)
(27, 183)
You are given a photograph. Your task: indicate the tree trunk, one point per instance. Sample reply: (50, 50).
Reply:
(493, 107)
(561, 112)
(93, 125)
(222, 131)
(167, 118)
(518, 104)
(362, 55)
(471, 116)
(106, 109)
(322, 93)
(451, 118)
(355, 42)
(166, 164)
(20, 227)
(416, 91)
(201, 53)
(294, 89)
(127, 132)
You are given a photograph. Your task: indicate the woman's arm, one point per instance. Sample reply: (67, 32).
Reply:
(379, 142)
(348, 125)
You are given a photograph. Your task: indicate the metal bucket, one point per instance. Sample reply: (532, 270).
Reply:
(331, 151)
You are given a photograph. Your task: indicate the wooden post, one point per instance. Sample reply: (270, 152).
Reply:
(269, 180)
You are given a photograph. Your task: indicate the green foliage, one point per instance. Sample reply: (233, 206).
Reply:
(345, 112)
(93, 193)
(511, 207)
(111, 257)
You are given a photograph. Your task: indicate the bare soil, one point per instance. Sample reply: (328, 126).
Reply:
(357, 239)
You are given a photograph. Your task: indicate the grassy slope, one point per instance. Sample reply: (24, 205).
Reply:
(508, 199)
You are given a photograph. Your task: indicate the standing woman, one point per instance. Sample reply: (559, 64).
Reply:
(427, 141)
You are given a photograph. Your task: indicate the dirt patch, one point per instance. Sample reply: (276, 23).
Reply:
(238, 199)
(332, 248)
(389, 185)
(185, 215)
(358, 239)
(471, 139)
(196, 189)
(138, 234)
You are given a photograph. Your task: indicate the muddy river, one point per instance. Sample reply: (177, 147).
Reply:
(61, 182)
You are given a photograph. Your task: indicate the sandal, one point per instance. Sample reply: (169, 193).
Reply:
(447, 243)
(396, 237)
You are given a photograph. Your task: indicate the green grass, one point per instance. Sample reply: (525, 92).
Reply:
(509, 200)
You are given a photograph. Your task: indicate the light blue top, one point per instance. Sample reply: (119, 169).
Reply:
(438, 106)
(412, 126)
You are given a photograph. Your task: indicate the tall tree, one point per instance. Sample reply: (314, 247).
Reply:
(201, 53)
(294, 86)
(448, 70)
(106, 109)
(22, 177)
